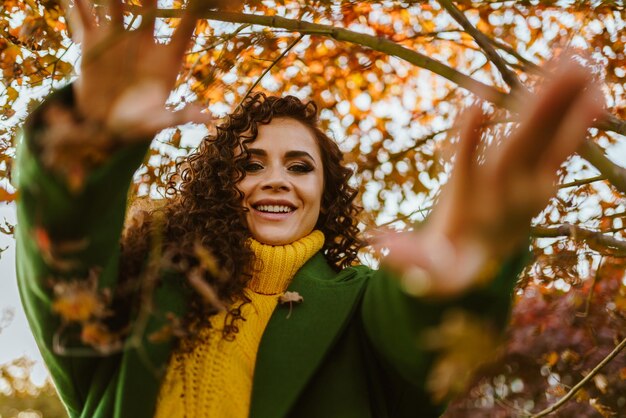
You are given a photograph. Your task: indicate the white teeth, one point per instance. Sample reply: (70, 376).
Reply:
(274, 208)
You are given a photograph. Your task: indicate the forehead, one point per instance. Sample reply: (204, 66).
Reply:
(283, 134)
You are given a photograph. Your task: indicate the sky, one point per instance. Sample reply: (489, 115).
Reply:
(16, 339)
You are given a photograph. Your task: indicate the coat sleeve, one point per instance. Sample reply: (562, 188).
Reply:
(398, 325)
(68, 238)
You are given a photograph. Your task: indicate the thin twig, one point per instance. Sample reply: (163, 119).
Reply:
(272, 65)
(404, 217)
(582, 182)
(525, 63)
(222, 39)
(421, 141)
(596, 277)
(582, 382)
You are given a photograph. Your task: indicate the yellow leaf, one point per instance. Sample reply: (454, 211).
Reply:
(582, 396)
(175, 140)
(12, 95)
(6, 196)
(77, 306)
(604, 410)
(11, 52)
(552, 358)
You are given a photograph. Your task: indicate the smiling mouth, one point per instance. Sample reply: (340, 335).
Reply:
(274, 208)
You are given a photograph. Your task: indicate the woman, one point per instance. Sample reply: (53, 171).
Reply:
(259, 214)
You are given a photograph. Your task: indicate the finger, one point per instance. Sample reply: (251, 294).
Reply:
(573, 129)
(83, 16)
(163, 119)
(148, 18)
(404, 249)
(547, 112)
(101, 13)
(123, 119)
(471, 128)
(116, 11)
(182, 36)
(463, 181)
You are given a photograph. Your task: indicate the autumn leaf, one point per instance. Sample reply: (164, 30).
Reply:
(463, 342)
(603, 410)
(173, 328)
(80, 300)
(100, 337)
(552, 359)
(78, 305)
(290, 298)
(6, 196)
(12, 95)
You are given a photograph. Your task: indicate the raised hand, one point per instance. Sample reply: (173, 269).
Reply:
(126, 76)
(485, 210)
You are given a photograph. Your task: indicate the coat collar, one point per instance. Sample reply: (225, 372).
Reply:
(293, 345)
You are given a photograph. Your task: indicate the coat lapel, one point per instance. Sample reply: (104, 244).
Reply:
(291, 349)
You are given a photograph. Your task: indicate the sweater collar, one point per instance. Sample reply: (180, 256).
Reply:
(275, 266)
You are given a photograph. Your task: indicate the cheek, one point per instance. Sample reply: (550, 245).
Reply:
(245, 186)
(316, 192)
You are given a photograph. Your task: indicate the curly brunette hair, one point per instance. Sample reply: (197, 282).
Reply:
(204, 216)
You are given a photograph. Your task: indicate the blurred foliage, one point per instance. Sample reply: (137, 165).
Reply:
(554, 340)
(392, 119)
(18, 393)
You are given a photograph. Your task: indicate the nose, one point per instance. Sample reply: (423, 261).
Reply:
(275, 180)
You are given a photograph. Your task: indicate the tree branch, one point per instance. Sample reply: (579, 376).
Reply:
(590, 151)
(582, 382)
(615, 174)
(484, 43)
(594, 239)
(375, 43)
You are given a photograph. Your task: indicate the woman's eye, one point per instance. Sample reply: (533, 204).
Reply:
(301, 168)
(252, 166)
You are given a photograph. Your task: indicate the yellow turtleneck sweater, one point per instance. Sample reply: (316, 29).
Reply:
(215, 380)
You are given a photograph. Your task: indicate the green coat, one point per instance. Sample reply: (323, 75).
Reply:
(352, 348)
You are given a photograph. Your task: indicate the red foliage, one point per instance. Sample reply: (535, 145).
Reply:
(553, 341)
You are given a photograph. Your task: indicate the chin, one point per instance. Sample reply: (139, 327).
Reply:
(273, 238)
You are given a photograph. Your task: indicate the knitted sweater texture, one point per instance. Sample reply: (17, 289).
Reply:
(215, 379)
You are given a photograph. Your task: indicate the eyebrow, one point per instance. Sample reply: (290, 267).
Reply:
(289, 154)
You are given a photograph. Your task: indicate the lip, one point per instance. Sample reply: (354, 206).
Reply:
(280, 216)
(273, 217)
(276, 202)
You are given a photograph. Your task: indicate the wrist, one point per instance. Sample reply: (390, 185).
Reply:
(450, 266)
(66, 142)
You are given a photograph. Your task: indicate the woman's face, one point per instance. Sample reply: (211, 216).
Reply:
(284, 182)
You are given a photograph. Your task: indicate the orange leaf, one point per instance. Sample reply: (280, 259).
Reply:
(6, 196)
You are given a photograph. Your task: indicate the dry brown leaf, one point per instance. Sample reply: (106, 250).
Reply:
(290, 298)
